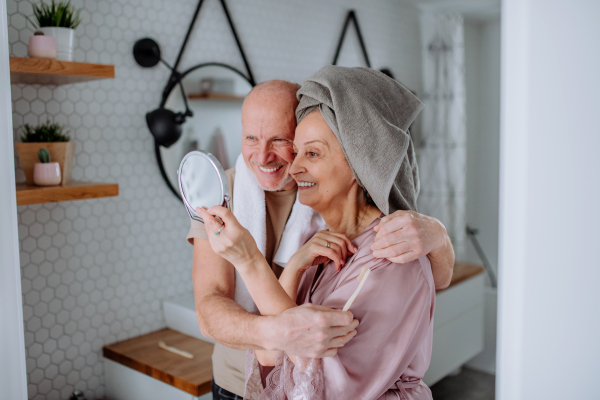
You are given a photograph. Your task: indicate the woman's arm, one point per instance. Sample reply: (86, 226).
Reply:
(235, 244)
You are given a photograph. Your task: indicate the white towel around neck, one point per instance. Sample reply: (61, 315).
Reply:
(250, 209)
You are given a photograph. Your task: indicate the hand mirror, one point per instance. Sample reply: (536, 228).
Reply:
(202, 183)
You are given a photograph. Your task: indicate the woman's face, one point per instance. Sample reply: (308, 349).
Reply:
(320, 168)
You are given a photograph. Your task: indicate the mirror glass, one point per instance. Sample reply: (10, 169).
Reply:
(202, 182)
(215, 95)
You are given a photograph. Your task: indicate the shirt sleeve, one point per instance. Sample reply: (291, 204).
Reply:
(197, 230)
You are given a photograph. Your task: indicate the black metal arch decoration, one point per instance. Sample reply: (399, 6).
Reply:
(164, 124)
(351, 17)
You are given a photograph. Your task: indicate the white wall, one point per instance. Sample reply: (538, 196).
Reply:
(482, 79)
(549, 214)
(13, 381)
(94, 271)
(482, 73)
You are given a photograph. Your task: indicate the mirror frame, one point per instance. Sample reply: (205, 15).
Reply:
(222, 179)
(164, 101)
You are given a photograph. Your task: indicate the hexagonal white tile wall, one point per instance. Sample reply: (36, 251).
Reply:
(94, 271)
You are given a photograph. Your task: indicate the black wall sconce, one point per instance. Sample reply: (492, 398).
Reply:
(164, 124)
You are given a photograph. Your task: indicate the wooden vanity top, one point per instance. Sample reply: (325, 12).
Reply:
(143, 354)
(462, 272)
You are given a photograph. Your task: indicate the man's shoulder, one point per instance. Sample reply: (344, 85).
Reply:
(230, 176)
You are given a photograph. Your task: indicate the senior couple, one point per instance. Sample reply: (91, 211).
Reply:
(325, 187)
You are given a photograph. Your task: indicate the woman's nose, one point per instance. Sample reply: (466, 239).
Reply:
(297, 166)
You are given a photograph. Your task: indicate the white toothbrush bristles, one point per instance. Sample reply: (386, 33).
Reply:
(362, 277)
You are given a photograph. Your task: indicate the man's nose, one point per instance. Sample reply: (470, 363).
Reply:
(264, 154)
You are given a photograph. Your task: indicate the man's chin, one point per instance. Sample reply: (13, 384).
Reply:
(275, 186)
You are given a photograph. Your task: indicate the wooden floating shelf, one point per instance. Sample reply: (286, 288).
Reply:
(72, 191)
(462, 272)
(143, 354)
(54, 72)
(214, 96)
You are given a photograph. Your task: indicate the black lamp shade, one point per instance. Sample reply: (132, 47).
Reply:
(146, 52)
(165, 126)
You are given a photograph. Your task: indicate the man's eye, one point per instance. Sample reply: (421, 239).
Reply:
(312, 154)
(250, 137)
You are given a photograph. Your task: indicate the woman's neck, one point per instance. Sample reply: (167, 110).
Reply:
(350, 217)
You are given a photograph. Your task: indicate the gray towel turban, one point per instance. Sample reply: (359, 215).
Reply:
(369, 113)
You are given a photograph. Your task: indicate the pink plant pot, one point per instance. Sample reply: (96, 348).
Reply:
(46, 174)
(41, 46)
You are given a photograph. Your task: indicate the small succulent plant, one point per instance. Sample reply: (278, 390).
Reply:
(46, 132)
(56, 14)
(44, 156)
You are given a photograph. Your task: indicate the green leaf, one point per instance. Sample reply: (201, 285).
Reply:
(46, 132)
(44, 156)
(57, 14)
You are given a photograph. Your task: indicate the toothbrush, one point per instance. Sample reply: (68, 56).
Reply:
(362, 277)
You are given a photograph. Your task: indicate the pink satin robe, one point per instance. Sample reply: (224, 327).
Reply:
(392, 349)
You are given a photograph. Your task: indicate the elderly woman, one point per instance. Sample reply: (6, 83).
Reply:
(354, 164)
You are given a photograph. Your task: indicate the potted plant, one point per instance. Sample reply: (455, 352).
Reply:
(59, 20)
(51, 136)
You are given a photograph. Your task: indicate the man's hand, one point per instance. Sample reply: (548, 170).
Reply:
(312, 331)
(407, 235)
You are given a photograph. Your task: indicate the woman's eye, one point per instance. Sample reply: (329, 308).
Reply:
(312, 154)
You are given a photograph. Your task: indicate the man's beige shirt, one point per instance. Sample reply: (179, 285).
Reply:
(228, 363)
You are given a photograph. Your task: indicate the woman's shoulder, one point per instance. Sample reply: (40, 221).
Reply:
(418, 269)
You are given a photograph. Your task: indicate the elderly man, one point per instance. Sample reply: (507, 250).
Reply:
(225, 311)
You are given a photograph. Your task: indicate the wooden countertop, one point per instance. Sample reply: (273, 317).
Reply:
(143, 354)
(462, 272)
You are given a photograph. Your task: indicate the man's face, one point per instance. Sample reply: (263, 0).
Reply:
(268, 126)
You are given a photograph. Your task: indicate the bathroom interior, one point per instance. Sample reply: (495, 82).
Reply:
(107, 263)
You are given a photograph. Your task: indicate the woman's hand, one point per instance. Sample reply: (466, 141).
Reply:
(233, 242)
(321, 248)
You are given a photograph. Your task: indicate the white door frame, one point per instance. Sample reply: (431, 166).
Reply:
(13, 377)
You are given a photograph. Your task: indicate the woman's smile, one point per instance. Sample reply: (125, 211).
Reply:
(304, 185)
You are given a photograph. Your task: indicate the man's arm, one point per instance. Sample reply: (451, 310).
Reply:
(219, 316)
(308, 331)
(407, 235)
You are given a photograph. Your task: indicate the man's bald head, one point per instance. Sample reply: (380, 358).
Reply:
(274, 90)
(269, 124)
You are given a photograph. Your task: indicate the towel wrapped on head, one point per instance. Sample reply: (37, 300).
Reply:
(369, 113)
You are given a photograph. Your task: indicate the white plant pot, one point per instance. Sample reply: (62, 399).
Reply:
(46, 174)
(65, 41)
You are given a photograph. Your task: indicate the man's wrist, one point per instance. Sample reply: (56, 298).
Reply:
(267, 327)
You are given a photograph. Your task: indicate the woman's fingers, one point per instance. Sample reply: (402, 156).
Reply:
(224, 213)
(333, 256)
(210, 223)
(340, 238)
(339, 249)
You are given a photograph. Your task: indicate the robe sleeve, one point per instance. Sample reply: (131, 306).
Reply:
(395, 310)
